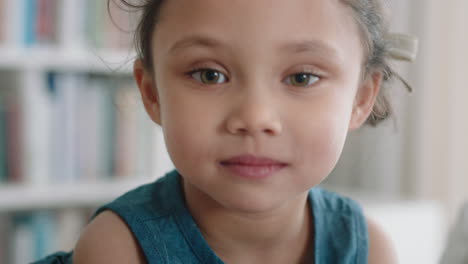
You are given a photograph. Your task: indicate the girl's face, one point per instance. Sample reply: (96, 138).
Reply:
(266, 78)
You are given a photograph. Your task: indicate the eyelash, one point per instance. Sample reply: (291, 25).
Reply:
(202, 69)
(311, 75)
(305, 72)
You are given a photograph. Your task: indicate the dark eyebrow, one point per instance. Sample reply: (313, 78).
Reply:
(195, 40)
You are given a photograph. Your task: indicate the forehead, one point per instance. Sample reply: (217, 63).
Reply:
(322, 25)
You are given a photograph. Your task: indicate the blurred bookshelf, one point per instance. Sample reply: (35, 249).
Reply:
(73, 132)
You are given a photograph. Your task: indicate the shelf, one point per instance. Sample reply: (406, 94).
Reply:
(34, 197)
(61, 59)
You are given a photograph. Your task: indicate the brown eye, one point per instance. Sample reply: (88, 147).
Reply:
(208, 76)
(302, 79)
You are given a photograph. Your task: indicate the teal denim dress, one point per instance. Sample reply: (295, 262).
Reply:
(167, 233)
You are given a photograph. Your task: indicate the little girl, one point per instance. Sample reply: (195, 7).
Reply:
(255, 99)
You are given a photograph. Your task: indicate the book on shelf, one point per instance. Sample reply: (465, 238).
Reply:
(30, 18)
(5, 246)
(10, 127)
(35, 118)
(40, 20)
(3, 139)
(62, 131)
(90, 116)
(3, 25)
(43, 230)
(47, 20)
(21, 239)
(13, 23)
(99, 120)
(71, 31)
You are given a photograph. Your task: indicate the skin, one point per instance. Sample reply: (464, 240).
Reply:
(256, 110)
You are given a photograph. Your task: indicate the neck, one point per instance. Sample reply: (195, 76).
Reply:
(276, 236)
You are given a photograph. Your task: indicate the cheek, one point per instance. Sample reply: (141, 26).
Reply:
(321, 139)
(181, 133)
(178, 142)
(187, 130)
(181, 141)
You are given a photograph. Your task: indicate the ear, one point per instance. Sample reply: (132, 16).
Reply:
(149, 94)
(364, 101)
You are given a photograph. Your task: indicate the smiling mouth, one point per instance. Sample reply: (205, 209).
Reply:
(253, 167)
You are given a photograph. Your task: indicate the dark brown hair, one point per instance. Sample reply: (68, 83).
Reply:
(369, 16)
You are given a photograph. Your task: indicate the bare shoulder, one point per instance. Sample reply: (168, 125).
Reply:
(381, 249)
(107, 239)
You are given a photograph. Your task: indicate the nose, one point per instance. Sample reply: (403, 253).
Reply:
(254, 115)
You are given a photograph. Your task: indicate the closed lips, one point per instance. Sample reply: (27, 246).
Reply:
(248, 160)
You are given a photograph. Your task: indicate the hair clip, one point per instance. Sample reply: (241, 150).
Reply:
(403, 47)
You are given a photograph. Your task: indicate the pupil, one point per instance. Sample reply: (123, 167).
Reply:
(301, 78)
(211, 76)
